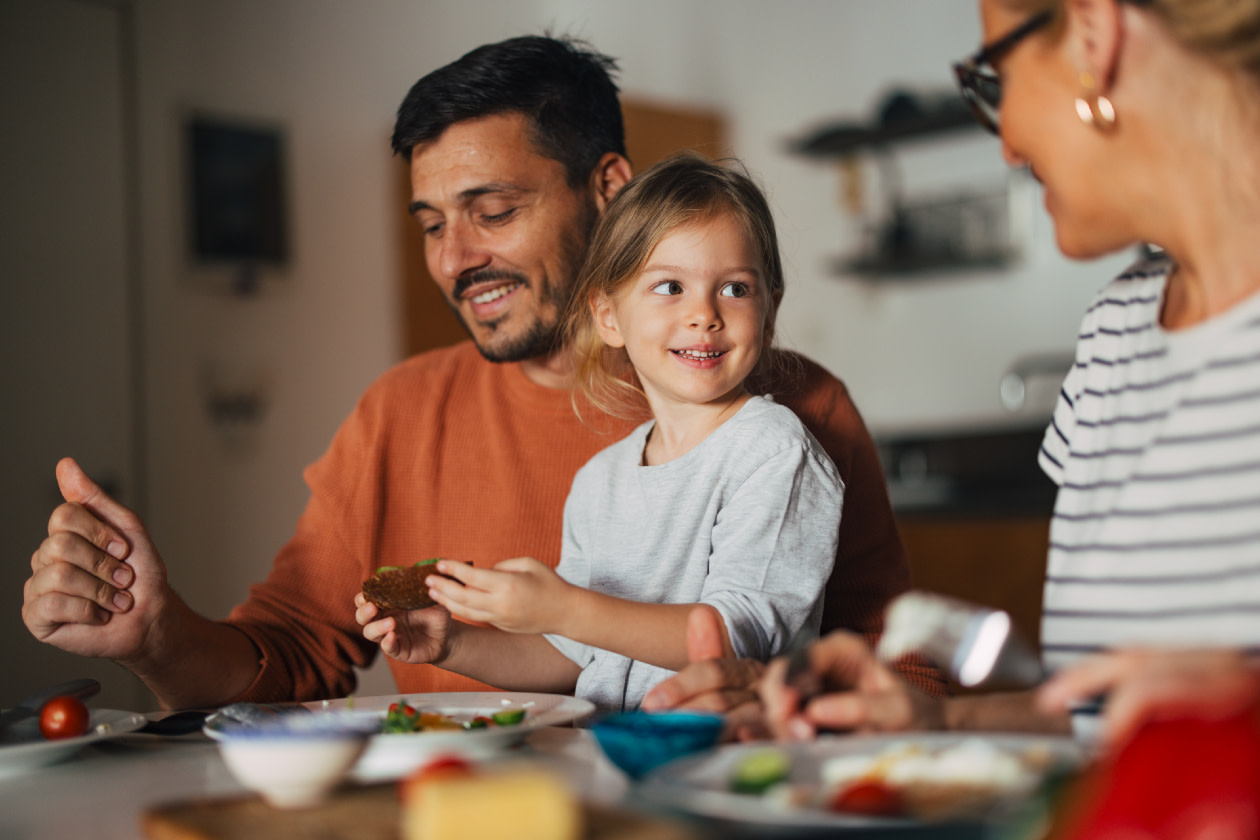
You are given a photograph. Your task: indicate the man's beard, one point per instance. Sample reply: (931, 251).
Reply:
(543, 336)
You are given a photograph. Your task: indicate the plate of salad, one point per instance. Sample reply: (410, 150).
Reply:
(472, 724)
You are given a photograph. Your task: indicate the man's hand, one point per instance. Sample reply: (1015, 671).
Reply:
(1144, 685)
(519, 595)
(418, 636)
(714, 681)
(859, 693)
(97, 584)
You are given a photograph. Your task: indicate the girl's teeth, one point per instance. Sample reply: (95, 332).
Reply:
(495, 293)
(696, 354)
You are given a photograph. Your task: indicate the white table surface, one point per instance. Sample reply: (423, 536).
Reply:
(100, 792)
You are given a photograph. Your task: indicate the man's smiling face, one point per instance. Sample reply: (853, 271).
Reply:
(504, 232)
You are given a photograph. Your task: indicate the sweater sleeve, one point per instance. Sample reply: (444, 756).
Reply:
(770, 559)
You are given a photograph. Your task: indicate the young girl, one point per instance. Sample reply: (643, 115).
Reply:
(721, 499)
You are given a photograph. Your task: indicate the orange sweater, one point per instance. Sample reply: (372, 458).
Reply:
(449, 455)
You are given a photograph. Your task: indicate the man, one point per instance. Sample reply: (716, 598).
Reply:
(465, 452)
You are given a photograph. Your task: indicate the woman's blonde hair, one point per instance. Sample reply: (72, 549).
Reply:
(684, 190)
(1226, 32)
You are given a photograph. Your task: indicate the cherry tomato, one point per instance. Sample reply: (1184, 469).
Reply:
(441, 767)
(63, 717)
(870, 797)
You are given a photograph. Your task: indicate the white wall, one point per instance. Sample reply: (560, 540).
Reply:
(332, 73)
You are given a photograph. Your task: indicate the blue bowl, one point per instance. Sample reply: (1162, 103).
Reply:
(639, 742)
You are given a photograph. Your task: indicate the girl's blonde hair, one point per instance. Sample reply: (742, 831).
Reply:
(1226, 32)
(684, 190)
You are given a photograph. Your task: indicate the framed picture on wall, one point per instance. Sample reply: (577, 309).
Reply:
(236, 193)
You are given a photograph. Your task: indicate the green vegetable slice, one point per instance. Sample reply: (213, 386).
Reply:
(428, 562)
(508, 717)
(759, 770)
(380, 569)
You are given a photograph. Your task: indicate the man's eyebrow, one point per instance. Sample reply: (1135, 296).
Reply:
(470, 194)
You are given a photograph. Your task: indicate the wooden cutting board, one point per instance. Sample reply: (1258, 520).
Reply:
(368, 812)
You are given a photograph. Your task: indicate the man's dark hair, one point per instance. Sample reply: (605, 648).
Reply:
(561, 85)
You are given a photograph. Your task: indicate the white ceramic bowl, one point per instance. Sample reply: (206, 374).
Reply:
(294, 761)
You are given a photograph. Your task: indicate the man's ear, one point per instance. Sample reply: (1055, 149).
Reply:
(606, 320)
(1095, 33)
(609, 175)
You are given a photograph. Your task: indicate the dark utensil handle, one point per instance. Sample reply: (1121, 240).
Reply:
(179, 723)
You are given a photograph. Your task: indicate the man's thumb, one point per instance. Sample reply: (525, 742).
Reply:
(76, 486)
(704, 634)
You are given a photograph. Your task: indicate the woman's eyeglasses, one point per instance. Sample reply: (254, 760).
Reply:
(978, 80)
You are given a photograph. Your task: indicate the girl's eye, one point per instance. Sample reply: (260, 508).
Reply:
(667, 287)
(737, 290)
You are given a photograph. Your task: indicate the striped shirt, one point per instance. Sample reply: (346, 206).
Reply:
(1155, 446)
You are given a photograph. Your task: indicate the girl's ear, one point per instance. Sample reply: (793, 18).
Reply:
(610, 175)
(1095, 36)
(605, 315)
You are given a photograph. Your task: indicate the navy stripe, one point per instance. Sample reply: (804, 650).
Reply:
(1088, 649)
(1189, 577)
(1227, 469)
(1115, 332)
(1054, 424)
(1175, 440)
(1125, 513)
(1123, 302)
(1045, 453)
(1238, 361)
(1163, 612)
(1144, 356)
(1226, 399)
(1161, 545)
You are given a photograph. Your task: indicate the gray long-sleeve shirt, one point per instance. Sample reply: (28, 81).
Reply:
(746, 522)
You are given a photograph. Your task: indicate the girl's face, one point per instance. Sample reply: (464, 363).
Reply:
(1041, 79)
(696, 318)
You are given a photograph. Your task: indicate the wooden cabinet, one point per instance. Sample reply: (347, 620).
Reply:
(994, 561)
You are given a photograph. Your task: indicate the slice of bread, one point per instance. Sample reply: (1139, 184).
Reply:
(401, 587)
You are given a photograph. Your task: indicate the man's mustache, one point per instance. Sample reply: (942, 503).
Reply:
(486, 275)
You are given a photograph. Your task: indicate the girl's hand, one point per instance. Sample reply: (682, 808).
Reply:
(519, 595)
(1148, 685)
(418, 637)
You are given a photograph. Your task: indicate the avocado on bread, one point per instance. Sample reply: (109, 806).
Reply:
(401, 587)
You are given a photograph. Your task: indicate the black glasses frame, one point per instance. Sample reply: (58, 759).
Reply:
(978, 81)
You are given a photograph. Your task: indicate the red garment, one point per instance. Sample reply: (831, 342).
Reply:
(1176, 780)
(449, 455)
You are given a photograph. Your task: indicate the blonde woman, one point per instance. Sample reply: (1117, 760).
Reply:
(1142, 122)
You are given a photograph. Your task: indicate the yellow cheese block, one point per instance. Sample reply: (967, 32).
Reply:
(522, 804)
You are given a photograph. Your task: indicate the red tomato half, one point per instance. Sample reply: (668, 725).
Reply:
(869, 797)
(63, 717)
(441, 767)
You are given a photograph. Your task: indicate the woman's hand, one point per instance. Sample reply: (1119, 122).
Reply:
(97, 585)
(1144, 685)
(520, 595)
(858, 693)
(417, 636)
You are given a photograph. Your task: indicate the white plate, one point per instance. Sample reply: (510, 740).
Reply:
(23, 748)
(393, 756)
(701, 784)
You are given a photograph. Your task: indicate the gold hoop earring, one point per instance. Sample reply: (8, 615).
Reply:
(1094, 109)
